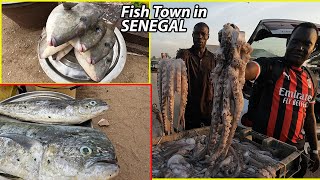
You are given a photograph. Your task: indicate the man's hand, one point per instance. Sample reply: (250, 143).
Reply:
(314, 162)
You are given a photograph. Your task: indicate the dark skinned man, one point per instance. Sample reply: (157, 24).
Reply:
(199, 62)
(291, 107)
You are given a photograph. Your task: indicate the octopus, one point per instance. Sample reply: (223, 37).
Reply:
(172, 78)
(244, 159)
(227, 80)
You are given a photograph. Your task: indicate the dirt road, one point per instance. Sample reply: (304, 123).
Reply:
(20, 63)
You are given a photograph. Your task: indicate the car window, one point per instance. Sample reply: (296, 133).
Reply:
(269, 47)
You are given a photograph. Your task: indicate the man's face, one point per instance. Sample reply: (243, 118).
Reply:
(200, 36)
(300, 45)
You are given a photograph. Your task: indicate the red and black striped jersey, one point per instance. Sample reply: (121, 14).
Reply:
(282, 108)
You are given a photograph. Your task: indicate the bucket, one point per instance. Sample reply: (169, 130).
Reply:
(29, 15)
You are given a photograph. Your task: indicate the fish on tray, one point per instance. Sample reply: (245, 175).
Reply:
(95, 71)
(103, 48)
(54, 111)
(66, 24)
(91, 37)
(38, 152)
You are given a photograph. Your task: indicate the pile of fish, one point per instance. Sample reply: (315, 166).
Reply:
(83, 28)
(48, 149)
(179, 159)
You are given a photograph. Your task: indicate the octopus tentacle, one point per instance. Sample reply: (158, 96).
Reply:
(172, 77)
(184, 94)
(171, 67)
(228, 80)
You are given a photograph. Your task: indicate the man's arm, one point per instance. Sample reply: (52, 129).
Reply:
(252, 71)
(311, 133)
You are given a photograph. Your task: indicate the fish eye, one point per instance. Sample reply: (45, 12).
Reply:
(85, 150)
(106, 44)
(98, 29)
(92, 103)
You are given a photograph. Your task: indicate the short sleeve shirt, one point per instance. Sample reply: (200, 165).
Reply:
(282, 108)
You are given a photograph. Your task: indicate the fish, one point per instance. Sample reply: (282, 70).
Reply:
(90, 38)
(63, 25)
(54, 111)
(63, 52)
(34, 151)
(103, 48)
(45, 50)
(95, 71)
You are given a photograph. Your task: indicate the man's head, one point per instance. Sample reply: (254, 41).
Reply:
(200, 35)
(301, 43)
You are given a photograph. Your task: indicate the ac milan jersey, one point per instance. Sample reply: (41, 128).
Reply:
(282, 108)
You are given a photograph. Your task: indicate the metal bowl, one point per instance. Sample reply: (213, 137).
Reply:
(68, 70)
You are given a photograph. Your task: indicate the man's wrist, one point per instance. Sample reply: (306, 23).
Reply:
(315, 151)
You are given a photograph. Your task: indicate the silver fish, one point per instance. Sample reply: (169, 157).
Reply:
(54, 111)
(63, 25)
(95, 71)
(45, 50)
(90, 38)
(103, 48)
(36, 152)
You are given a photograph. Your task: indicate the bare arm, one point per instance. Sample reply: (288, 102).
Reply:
(310, 127)
(252, 71)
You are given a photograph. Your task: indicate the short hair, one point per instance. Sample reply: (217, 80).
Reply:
(201, 24)
(307, 25)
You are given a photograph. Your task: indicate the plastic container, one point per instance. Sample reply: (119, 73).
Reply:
(29, 15)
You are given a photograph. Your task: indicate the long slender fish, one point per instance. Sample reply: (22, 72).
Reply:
(54, 111)
(33, 151)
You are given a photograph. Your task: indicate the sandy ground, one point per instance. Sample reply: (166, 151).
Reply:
(20, 63)
(129, 130)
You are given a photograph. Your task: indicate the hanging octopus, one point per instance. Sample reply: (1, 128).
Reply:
(172, 77)
(228, 80)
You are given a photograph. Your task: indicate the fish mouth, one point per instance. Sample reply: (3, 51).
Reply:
(103, 168)
(101, 161)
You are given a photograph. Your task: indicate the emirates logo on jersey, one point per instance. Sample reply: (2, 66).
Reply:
(294, 98)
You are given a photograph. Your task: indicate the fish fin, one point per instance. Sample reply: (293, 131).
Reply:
(23, 140)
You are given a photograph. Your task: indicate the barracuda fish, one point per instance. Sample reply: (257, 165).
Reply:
(39, 152)
(54, 111)
(65, 24)
(90, 38)
(103, 48)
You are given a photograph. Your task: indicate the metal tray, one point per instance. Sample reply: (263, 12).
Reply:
(68, 70)
(41, 95)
